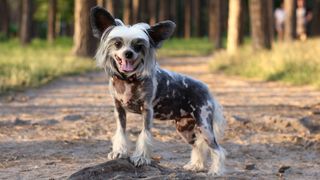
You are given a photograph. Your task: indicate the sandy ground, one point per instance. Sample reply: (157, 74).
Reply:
(51, 132)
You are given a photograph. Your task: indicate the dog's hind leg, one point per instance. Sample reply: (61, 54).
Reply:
(120, 143)
(186, 129)
(208, 116)
(216, 151)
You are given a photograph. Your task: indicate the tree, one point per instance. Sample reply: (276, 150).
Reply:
(215, 24)
(187, 19)
(196, 17)
(26, 22)
(153, 11)
(224, 15)
(84, 42)
(271, 19)
(173, 10)
(52, 12)
(118, 8)
(127, 12)
(101, 3)
(234, 25)
(135, 11)
(173, 13)
(164, 10)
(260, 22)
(5, 17)
(143, 11)
(290, 20)
(315, 23)
(109, 6)
(204, 18)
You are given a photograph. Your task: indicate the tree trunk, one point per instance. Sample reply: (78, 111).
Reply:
(143, 11)
(164, 10)
(271, 19)
(84, 42)
(5, 17)
(52, 12)
(26, 22)
(315, 23)
(118, 8)
(135, 11)
(173, 10)
(234, 25)
(173, 14)
(127, 12)
(187, 19)
(244, 25)
(58, 26)
(100, 3)
(109, 6)
(224, 6)
(196, 17)
(215, 24)
(153, 11)
(260, 22)
(290, 20)
(204, 18)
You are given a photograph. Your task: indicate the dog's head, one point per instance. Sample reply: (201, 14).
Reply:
(127, 50)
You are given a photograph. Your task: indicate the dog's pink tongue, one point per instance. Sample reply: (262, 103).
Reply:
(126, 66)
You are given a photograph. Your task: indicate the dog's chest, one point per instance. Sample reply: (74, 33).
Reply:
(129, 93)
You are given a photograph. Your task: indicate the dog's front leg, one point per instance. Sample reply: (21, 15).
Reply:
(120, 145)
(142, 154)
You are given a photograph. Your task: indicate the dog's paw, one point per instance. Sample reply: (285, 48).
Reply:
(194, 167)
(216, 171)
(140, 160)
(116, 155)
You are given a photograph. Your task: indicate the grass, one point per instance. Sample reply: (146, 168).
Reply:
(296, 63)
(186, 47)
(41, 62)
(38, 63)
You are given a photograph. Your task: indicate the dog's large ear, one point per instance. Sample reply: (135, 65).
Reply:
(100, 20)
(161, 31)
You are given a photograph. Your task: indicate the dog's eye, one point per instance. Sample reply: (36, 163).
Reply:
(118, 44)
(137, 47)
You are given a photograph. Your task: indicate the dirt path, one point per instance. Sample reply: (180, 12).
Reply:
(65, 126)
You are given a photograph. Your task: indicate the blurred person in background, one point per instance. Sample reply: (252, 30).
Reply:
(279, 16)
(303, 17)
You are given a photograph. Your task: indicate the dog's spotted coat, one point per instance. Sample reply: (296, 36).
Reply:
(139, 85)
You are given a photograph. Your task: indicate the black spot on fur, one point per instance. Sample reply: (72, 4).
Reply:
(100, 20)
(175, 96)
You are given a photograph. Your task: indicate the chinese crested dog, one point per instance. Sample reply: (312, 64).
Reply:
(138, 85)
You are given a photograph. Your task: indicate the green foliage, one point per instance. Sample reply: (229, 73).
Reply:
(3, 37)
(40, 62)
(65, 15)
(65, 10)
(186, 47)
(37, 63)
(41, 13)
(297, 63)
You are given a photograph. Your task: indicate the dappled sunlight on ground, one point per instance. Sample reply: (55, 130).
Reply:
(54, 131)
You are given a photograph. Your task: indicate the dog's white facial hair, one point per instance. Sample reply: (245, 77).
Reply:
(107, 54)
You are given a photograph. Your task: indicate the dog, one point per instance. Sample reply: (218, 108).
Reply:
(138, 85)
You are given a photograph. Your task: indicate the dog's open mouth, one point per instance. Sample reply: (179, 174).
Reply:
(125, 65)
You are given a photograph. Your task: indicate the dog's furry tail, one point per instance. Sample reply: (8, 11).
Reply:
(219, 122)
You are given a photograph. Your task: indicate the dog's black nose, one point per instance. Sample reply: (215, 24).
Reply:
(128, 54)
